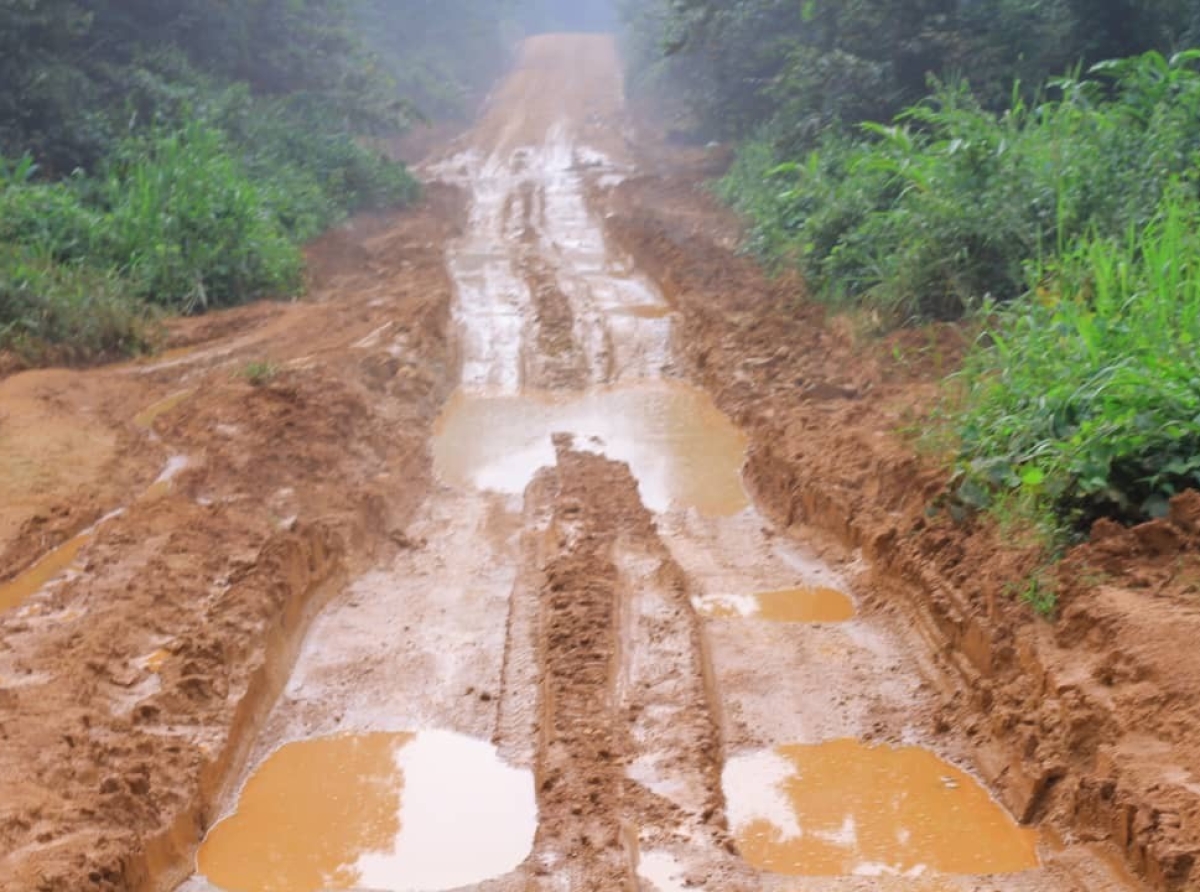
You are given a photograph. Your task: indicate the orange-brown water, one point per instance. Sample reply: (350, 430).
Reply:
(682, 449)
(375, 811)
(146, 418)
(846, 808)
(797, 605)
(17, 590)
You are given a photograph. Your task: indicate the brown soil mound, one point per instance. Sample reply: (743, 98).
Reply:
(1089, 723)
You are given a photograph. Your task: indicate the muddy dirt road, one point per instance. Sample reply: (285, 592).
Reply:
(534, 634)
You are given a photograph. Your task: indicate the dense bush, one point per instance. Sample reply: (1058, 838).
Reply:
(1084, 401)
(186, 219)
(941, 211)
(67, 311)
(805, 67)
(1070, 225)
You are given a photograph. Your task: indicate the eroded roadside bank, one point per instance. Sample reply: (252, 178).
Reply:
(1085, 726)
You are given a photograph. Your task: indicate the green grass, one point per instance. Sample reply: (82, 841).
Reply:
(260, 372)
(1084, 400)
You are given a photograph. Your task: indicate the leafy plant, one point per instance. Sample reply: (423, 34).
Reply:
(1085, 398)
(260, 372)
(938, 213)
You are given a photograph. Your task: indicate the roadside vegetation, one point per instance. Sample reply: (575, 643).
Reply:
(173, 157)
(1051, 201)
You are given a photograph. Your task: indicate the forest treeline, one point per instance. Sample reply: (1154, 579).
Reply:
(1030, 168)
(175, 154)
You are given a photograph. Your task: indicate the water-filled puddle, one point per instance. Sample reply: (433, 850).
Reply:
(798, 605)
(146, 418)
(681, 448)
(17, 590)
(394, 812)
(848, 809)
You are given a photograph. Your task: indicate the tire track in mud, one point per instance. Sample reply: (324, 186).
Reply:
(628, 751)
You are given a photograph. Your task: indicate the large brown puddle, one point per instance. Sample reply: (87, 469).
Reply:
(848, 809)
(683, 451)
(796, 605)
(376, 811)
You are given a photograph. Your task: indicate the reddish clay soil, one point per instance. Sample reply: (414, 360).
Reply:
(1089, 724)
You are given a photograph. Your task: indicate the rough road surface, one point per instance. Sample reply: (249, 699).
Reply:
(468, 498)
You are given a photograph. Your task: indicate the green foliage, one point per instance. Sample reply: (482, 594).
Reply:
(1070, 225)
(803, 67)
(187, 225)
(260, 372)
(1039, 592)
(201, 144)
(940, 212)
(1085, 399)
(67, 312)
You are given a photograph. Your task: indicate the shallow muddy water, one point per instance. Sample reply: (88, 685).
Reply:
(847, 809)
(146, 418)
(681, 449)
(659, 672)
(56, 563)
(398, 811)
(797, 605)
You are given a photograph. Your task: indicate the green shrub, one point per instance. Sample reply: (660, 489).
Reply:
(50, 310)
(1084, 401)
(939, 213)
(189, 226)
(316, 174)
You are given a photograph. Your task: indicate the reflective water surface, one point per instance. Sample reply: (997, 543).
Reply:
(846, 808)
(27, 584)
(398, 812)
(683, 451)
(146, 418)
(797, 605)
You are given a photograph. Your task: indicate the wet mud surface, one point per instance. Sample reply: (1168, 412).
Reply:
(471, 593)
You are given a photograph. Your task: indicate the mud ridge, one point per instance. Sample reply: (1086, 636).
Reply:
(1085, 726)
(558, 363)
(615, 720)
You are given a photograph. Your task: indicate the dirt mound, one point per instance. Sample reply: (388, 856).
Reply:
(1088, 724)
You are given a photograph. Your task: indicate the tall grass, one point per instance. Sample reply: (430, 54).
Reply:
(206, 213)
(1084, 401)
(938, 213)
(187, 225)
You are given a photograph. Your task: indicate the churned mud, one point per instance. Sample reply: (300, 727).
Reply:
(1083, 727)
(455, 577)
(187, 514)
